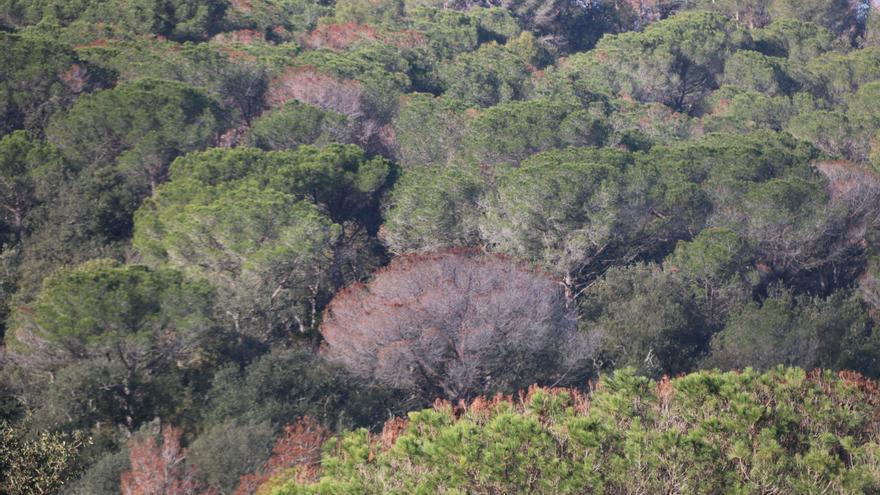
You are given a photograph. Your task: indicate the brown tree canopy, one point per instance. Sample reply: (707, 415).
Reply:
(455, 324)
(159, 467)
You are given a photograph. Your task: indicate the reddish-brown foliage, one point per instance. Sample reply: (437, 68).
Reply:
(648, 11)
(339, 36)
(298, 447)
(869, 288)
(391, 431)
(851, 412)
(280, 32)
(232, 137)
(237, 55)
(453, 324)
(93, 44)
(408, 38)
(386, 136)
(847, 180)
(241, 5)
(480, 409)
(243, 36)
(860, 382)
(307, 85)
(76, 78)
(664, 391)
(160, 468)
(857, 189)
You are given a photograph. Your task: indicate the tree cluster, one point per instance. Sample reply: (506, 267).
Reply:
(233, 229)
(785, 431)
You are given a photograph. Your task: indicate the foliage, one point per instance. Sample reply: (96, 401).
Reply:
(142, 126)
(639, 126)
(836, 15)
(798, 331)
(492, 74)
(869, 286)
(831, 132)
(287, 383)
(578, 210)
(762, 187)
(39, 465)
(369, 12)
(674, 62)
(159, 466)
(434, 207)
(121, 141)
(566, 27)
(734, 110)
(81, 215)
(705, 432)
(122, 331)
(756, 72)
(447, 32)
(445, 325)
(645, 319)
(81, 20)
(281, 20)
(717, 266)
(91, 309)
(102, 477)
(509, 133)
(798, 41)
(299, 447)
(237, 83)
(228, 450)
(185, 186)
(25, 166)
(295, 124)
(429, 130)
(834, 75)
(261, 228)
(379, 71)
(40, 77)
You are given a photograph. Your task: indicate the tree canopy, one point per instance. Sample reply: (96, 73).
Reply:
(443, 325)
(238, 235)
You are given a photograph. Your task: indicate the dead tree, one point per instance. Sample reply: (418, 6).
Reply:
(456, 324)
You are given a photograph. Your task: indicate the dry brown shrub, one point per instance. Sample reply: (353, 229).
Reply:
(297, 450)
(160, 468)
(308, 85)
(339, 37)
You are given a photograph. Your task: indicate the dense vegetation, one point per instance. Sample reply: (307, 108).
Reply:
(782, 431)
(237, 233)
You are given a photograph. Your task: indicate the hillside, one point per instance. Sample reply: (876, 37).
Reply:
(235, 231)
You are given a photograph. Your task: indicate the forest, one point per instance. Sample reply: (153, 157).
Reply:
(283, 247)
